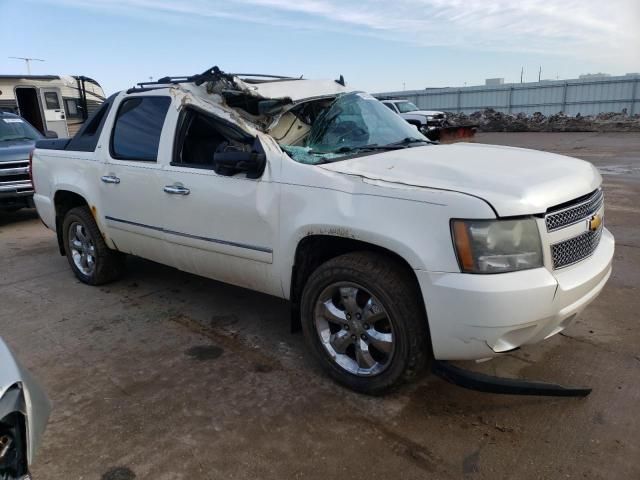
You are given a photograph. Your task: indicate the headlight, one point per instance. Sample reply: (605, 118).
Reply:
(497, 246)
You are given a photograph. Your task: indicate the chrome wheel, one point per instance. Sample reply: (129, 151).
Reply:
(354, 329)
(83, 251)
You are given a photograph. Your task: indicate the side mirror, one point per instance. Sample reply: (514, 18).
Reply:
(50, 134)
(230, 163)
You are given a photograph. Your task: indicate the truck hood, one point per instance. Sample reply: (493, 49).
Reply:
(514, 181)
(16, 150)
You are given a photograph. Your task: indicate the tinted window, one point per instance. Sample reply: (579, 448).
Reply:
(136, 134)
(51, 99)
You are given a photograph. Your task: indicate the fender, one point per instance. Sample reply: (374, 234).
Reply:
(64, 187)
(404, 252)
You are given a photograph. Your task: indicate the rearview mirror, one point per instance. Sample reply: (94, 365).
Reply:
(229, 163)
(50, 134)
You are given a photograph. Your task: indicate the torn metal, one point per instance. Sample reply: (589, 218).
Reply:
(313, 121)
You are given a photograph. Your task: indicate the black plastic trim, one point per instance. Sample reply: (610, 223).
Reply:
(83, 142)
(53, 144)
(505, 386)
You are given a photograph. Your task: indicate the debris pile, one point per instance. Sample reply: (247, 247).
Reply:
(490, 120)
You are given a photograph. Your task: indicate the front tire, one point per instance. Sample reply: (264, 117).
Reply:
(364, 321)
(90, 259)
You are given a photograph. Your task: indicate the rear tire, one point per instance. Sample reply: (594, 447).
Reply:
(90, 259)
(364, 321)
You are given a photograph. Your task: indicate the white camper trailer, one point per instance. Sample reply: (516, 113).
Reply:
(50, 102)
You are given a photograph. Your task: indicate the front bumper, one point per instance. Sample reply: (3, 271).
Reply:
(473, 317)
(16, 188)
(15, 198)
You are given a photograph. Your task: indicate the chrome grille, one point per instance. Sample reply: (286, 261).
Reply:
(574, 213)
(14, 177)
(573, 250)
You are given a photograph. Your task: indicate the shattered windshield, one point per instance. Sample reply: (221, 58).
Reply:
(406, 107)
(355, 123)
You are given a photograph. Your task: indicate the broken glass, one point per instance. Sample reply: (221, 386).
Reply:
(355, 123)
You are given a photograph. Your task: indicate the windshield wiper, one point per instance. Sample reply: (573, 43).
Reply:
(405, 142)
(402, 144)
(360, 148)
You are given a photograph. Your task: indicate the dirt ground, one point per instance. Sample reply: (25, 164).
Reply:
(164, 375)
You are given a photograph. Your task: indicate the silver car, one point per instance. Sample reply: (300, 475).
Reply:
(24, 412)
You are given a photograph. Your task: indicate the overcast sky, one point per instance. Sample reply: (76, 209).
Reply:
(377, 45)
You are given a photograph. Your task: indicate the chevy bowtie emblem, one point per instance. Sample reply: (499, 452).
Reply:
(594, 222)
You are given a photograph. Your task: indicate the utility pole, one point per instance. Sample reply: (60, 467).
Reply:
(521, 74)
(28, 62)
(540, 73)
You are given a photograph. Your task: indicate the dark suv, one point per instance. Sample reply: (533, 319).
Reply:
(17, 139)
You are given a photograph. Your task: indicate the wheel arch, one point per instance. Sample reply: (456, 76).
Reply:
(63, 201)
(313, 250)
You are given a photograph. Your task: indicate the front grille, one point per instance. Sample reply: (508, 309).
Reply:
(24, 164)
(576, 212)
(14, 177)
(575, 249)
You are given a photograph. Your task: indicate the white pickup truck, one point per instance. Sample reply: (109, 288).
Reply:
(422, 119)
(392, 249)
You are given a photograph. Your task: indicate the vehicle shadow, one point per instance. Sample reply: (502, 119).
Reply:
(22, 215)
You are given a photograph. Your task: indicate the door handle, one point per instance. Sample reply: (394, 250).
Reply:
(110, 179)
(176, 190)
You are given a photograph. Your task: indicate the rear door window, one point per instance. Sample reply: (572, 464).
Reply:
(136, 133)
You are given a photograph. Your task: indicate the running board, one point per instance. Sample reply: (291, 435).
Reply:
(508, 386)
